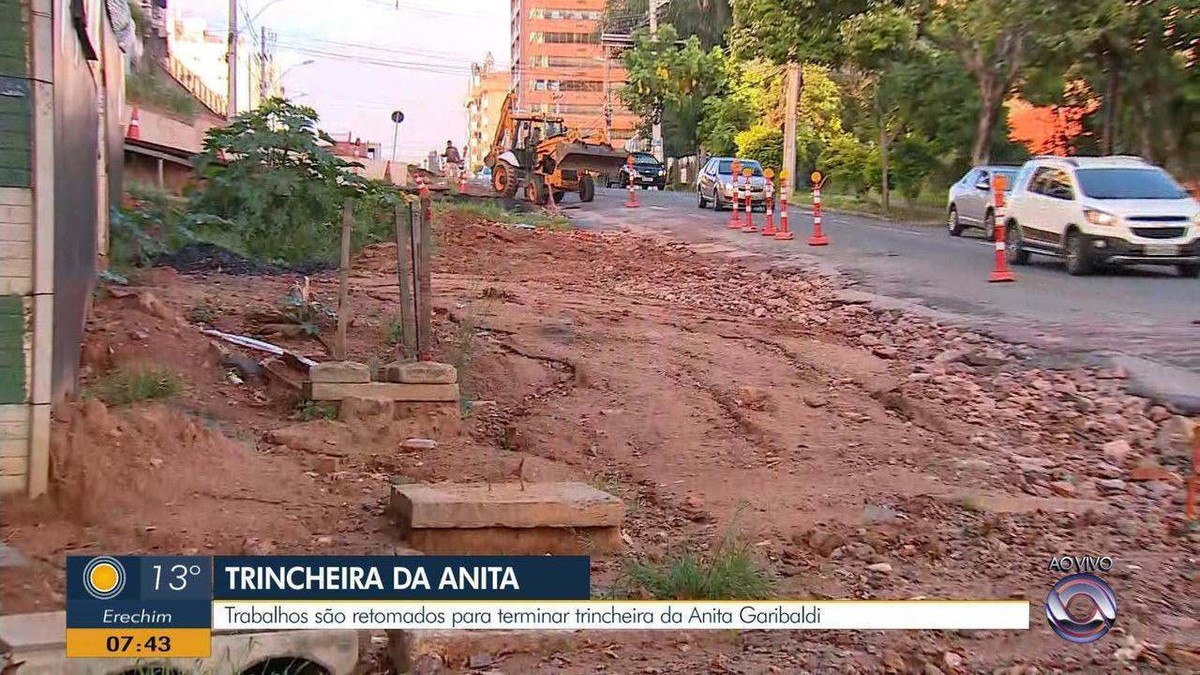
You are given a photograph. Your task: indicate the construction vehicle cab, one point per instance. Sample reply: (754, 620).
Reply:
(536, 150)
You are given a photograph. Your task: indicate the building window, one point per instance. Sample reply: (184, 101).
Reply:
(564, 38)
(573, 14)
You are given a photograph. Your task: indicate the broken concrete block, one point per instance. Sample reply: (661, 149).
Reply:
(340, 371)
(514, 505)
(517, 541)
(337, 391)
(355, 409)
(419, 444)
(420, 372)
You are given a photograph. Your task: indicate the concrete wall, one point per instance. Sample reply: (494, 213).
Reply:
(59, 105)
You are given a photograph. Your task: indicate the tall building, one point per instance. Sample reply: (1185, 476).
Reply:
(488, 89)
(559, 65)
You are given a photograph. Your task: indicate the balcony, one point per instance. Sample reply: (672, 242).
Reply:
(192, 82)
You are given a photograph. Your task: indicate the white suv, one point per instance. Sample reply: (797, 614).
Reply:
(1095, 211)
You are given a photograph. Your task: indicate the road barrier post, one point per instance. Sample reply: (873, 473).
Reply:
(735, 194)
(783, 234)
(462, 182)
(1001, 272)
(768, 200)
(818, 237)
(749, 228)
(633, 202)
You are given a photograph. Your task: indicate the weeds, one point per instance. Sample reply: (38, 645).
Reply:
(123, 387)
(493, 211)
(969, 503)
(312, 410)
(150, 89)
(205, 312)
(731, 571)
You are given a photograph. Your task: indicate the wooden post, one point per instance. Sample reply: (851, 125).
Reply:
(404, 271)
(424, 288)
(339, 347)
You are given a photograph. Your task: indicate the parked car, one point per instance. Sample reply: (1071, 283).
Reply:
(971, 202)
(485, 174)
(715, 183)
(647, 172)
(1096, 211)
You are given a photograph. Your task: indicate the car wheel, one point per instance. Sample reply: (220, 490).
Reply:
(1014, 245)
(662, 187)
(718, 205)
(701, 202)
(1079, 261)
(1189, 270)
(989, 225)
(952, 223)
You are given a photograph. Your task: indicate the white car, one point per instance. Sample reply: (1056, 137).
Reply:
(1102, 211)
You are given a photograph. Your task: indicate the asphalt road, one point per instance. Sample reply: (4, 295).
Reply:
(1146, 319)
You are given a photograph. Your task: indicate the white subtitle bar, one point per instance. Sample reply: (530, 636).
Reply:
(626, 615)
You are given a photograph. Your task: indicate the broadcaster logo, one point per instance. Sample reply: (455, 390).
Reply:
(1081, 627)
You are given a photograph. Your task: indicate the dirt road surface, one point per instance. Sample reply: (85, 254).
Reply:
(721, 398)
(1145, 319)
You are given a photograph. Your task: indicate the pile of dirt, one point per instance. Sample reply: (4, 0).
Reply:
(208, 257)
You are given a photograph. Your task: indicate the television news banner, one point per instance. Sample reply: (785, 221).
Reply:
(163, 607)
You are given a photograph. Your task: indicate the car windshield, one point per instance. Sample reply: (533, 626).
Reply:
(644, 159)
(1129, 184)
(726, 166)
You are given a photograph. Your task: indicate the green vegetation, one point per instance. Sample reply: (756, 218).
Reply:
(148, 88)
(312, 410)
(493, 211)
(281, 192)
(904, 95)
(130, 385)
(731, 571)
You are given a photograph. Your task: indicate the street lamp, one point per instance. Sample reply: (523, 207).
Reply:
(279, 78)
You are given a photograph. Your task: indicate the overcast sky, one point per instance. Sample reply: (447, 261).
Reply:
(375, 56)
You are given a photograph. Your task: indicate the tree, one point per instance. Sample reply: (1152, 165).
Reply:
(268, 175)
(874, 42)
(707, 20)
(662, 71)
(994, 39)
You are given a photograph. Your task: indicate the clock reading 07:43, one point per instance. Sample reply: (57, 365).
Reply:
(124, 644)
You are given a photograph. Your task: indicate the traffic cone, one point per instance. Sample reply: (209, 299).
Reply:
(1001, 272)
(135, 127)
(633, 202)
(818, 237)
(749, 228)
(769, 229)
(735, 221)
(783, 234)
(462, 182)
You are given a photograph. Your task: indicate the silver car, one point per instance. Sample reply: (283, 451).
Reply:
(971, 202)
(715, 183)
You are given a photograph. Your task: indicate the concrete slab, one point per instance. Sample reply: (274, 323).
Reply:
(454, 648)
(420, 372)
(11, 557)
(393, 391)
(517, 540)
(340, 371)
(506, 505)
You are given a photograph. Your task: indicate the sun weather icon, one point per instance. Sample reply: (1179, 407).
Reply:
(104, 578)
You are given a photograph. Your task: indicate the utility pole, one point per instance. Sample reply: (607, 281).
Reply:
(789, 122)
(231, 108)
(262, 66)
(656, 139)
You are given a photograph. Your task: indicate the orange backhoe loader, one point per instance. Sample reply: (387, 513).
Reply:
(536, 150)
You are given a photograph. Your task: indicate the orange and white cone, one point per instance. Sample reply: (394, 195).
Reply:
(1001, 272)
(135, 127)
(783, 234)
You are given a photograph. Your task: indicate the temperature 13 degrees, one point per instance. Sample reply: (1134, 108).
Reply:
(174, 577)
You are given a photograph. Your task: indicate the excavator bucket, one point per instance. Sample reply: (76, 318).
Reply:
(580, 155)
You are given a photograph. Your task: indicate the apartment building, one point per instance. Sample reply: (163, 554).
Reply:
(488, 88)
(559, 66)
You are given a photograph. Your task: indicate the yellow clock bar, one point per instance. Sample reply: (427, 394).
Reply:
(144, 643)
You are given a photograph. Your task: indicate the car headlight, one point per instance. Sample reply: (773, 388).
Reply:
(1099, 217)
(729, 186)
(1196, 218)
(662, 172)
